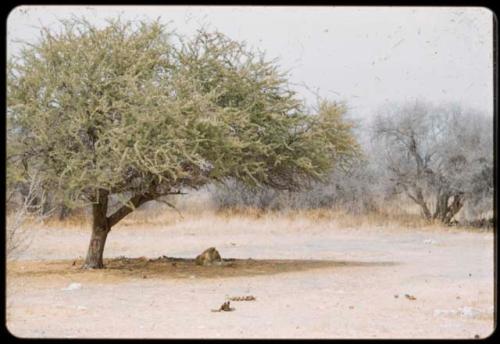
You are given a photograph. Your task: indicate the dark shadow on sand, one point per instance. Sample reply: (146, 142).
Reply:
(170, 267)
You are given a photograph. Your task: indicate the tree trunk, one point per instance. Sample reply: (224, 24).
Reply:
(419, 199)
(100, 230)
(442, 206)
(64, 212)
(101, 225)
(425, 211)
(454, 208)
(95, 252)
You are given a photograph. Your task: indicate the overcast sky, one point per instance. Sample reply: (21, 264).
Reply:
(365, 56)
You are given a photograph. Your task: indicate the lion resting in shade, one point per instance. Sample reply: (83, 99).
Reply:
(208, 257)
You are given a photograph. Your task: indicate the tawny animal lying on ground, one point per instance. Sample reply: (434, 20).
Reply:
(208, 257)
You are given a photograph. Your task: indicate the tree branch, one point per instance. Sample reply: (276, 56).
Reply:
(137, 201)
(171, 206)
(123, 211)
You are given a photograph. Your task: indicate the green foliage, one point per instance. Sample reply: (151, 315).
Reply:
(130, 110)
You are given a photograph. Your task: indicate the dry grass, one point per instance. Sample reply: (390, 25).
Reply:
(342, 218)
(397, 216)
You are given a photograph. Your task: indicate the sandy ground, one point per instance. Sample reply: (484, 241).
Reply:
(448, 271)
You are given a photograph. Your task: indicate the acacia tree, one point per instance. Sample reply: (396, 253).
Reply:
(439, 156)
(129, 111)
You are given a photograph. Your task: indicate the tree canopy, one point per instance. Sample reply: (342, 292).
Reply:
(124, 109)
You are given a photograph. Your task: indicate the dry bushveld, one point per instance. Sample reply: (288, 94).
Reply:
(162, 184)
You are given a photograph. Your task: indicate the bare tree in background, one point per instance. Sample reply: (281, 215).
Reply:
(440, 156)
(353, 189)
(22, 207)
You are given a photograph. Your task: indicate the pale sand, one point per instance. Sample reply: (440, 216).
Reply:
(449, 271)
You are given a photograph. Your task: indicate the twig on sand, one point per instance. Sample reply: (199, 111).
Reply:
(243, 298)
(225, 307)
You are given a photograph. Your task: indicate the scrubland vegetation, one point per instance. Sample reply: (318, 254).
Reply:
(137, 116)
(170, 144)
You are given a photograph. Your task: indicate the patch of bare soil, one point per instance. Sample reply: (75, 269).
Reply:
(308, 279)
(170, 267)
